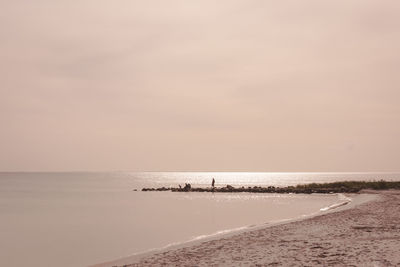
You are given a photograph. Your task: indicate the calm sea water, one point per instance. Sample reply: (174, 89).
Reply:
(78, 219)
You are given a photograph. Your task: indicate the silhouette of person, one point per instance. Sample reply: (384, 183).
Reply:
(213, 182)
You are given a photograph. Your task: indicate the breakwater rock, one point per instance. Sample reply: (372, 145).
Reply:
(325, 188)
(256, 189)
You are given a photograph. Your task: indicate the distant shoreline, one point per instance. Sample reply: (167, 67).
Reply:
(333, 187)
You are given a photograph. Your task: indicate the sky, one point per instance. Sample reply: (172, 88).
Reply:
(238, 85)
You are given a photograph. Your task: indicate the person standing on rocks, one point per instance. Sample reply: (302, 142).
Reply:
(212, 183)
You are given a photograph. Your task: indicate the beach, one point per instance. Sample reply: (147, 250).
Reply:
(364, 235)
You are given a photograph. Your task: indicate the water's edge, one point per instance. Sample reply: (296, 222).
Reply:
(350, 201)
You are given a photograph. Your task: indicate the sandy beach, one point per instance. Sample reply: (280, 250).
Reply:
(365, 235)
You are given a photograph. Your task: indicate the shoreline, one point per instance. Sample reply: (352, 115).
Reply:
(357, 199)
(364, 235)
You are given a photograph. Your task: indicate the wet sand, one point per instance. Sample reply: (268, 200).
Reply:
(366, 235)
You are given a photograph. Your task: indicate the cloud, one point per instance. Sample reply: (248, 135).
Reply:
(157, 81)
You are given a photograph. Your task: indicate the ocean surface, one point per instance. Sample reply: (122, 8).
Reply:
(83, 218)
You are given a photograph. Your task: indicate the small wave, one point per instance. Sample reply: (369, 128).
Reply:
(222, 232)
(200, 237)
(345, 201)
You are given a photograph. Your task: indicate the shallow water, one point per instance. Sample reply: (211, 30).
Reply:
(77, 219)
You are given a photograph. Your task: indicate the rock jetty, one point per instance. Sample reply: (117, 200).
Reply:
(325, 188)
(256, 189)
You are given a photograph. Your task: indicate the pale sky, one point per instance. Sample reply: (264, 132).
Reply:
(200, 85)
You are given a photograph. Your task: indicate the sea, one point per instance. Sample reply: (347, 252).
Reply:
(72, 219)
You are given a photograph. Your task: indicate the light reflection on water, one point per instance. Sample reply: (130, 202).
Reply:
(251, 178)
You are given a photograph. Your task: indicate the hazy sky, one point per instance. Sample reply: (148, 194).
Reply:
(200, 85)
